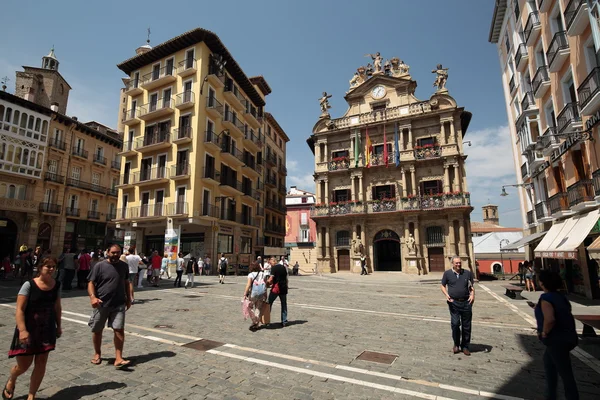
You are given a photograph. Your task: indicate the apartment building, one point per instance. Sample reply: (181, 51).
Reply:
(194, 152)
(58, 176)
(390, 176)
(301, 229)
(548, 57)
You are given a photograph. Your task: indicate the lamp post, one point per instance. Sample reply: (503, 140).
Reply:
(505, 241)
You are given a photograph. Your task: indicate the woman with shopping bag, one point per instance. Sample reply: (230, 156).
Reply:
(254, 302)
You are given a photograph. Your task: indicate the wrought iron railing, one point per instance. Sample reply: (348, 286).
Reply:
(569, 115)
(541, 76)
(589, 88)
(559, 202)
(559, 42)
(533, 21)
(581, 191)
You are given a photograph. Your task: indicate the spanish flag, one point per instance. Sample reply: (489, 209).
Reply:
(368, 150)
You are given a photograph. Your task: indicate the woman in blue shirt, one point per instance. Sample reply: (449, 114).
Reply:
(556, 329)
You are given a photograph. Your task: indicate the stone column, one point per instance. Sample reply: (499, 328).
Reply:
(446, 178)
(319, 243)
(351, 155)
(352, 191)
(452, 132)
(456, 186)
(452, 236)
(360, 188)
(327, 242)
(410, 139)
(403, 182)
(417, 237)
(327, 191)
(463, 178)
(401, 140)
(443, 132)
(462, 238)
(319, 200)
(326, 158)
(413, 180)
(318, 152)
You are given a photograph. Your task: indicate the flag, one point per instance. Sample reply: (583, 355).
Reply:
(385, 149)
(396, 144)
(356, 146)
(368, 150)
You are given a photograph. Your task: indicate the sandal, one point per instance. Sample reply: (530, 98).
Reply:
(6, 392)
(96, 361)
(122, 364)
(254, 327)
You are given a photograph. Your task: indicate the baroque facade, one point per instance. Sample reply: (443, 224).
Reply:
(390, 175)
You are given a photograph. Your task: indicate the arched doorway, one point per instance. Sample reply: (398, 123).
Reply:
(386, 251)
(8, 233)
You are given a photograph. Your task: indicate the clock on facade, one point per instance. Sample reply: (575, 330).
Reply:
(378, 92)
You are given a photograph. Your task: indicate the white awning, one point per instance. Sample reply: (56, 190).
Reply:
(594, 249)
(563, 239)
(523, 242)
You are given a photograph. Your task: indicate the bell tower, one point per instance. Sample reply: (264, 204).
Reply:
(490, 214)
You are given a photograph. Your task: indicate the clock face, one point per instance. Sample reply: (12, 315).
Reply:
(378, 92)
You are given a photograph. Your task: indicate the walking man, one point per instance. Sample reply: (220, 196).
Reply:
(110, 295)
(164, 266)
(363, 265)
(156, 264)
(69, 267)
(279, 287)
(457, 286)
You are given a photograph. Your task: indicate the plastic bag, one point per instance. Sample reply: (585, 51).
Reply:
(246, 308)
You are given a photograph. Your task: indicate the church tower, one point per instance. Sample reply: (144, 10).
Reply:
(490, 214)
(44, 86)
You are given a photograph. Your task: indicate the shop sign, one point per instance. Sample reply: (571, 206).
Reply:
(571, 141)
(226, 229)
(592, 121)
(45, 231)
(246, 232)
(571, 255)
(540, 169)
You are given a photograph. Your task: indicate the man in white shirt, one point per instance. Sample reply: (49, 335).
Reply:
(200, 265)
(133, 262)
(179, 270)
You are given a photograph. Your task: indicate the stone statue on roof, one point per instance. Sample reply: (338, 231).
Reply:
(324, 103)
(441, 78)
(377, 63)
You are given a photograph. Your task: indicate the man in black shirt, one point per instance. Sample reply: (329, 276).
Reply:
(279, 287)
(457, 286)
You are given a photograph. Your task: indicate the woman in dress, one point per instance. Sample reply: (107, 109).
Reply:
(38, 325)
(255, 305)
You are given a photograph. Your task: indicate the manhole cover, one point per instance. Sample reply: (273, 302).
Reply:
(381, 358)
(164, 326)
(203, 345)
(182, 309)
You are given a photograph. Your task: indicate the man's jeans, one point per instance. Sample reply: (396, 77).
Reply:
(557, 361)
(461, 313)
(283, 299)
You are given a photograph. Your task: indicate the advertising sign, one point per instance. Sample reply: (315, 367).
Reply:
(129, 240)
(172, 245)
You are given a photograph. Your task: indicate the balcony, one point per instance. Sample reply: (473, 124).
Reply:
(596, 180)
(283, 170)
(231, 184)
(128, 149)
(569, 118)
(559, 205)
(542, 212)
(581, 195)
(99, 159)
(531, 217)
(512, 86)
(540, 82)
(153, 141)
(126, 180)
(544, 5)
(159, 77)
(378, 206)
(532, 28)
(127, 213)
(427, 152)
(182, 135)
(76, 183)
(184, 100)
(589, 93)
(549, 141)
(338, 164)
(379, 159)
(271, 159)
(153, 110)
(271, 181)
(211, 174)
(276, 206)
(521, 57)
(151, 176)
(216, 79)
(180, 171)
(528, 102)
(576, 17)
(156, 210)
(211, 140)
(282, 189)
(57, 144)
(251, 141)
(112, 192)
(52, 177)
(111, 216)
(524, 170)
(260, 211)
(214, 108)
(233, 95)
(48, 208)
(535, 158)
(274, 228)
(132, 88)
(558, 51)
(179, 208)
(251, 115)
(93, 215)
(233, 124)
(209, 210)
(131, 117)
(72, 212)
(79, 152)
(187, 67)
(248, 191)
(232, 154)
(116, 164)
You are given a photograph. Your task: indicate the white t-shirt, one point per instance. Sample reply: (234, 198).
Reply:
(200, 263)
(180, 263)
(133, 261)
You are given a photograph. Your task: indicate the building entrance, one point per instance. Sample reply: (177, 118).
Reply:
(8, 233)
(386, 251)
(436, 259)
(343, 260)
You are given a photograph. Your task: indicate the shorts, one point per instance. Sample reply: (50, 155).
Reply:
(132, 277)
(114, 315)
(528, 276)
(155, 272)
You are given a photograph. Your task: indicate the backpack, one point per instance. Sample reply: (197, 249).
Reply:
(223, 263)
(259, 286)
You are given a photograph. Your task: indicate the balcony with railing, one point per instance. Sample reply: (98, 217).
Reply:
(57, 144)
(116, 164)
(530, 217)
(533, 28)
(111, 216)
(541, 82)
(182, 135)
(379, 159)
(282, 189)
(384, 205)
(521, 57)
(131, 117)
(159, 77)
(187, 67)
(283, 169)
(79, 152)
(559, 205)
(49, 208)
(112, 192)
(581, 195)
(252, 115)
(128, 149)
(569, 118)
(308, 239)
(427, 152)
(233, 184)
(211, 174)
(233, 124)
(277, 206)
(252, 141)
(72, 212)
(542, 212)
(52, 177)
(185, 100)
(589, 93)
(549, 141)
(156, 210)
(209, 210)
(153, 141)
(156, 109)
(232, 94)
(180, 171)
(512, 85)
(535, 158)
(132, 88)
(99, 159)
(260, 211)
(211, 139)
(524, 170)
(558, 51)
(150, 176)
(576, 17)
(179, 208)
(93, 214)
(339, 164)
(232, 154)
(92, 187)
(544, 5)
(271, 159)
(127, 213)
(274, 228)
(270, 180)
(528, 102)
(214, 108)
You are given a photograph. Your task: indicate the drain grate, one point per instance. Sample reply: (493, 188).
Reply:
(164, 326)
(204, 345)
(182, 309)
(381, 358)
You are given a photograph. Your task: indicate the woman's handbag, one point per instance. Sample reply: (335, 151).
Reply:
(275, 289)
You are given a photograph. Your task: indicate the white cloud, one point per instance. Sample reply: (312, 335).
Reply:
(304, 182)
(292, 165)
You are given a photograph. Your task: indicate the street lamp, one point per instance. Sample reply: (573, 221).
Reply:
(504, 193)
(505, 241)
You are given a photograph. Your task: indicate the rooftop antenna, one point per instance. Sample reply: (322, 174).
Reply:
(4, 81)
(148, 38)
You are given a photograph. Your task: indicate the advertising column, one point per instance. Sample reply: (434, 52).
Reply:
(129, 241)
(172, 246)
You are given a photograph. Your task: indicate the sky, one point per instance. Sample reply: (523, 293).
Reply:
(302, 48)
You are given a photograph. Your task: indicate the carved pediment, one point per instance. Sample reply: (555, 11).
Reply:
(401, 84)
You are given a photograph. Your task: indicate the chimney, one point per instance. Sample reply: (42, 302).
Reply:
(54, 107)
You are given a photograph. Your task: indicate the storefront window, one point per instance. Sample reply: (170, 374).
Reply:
(224, 243)
(246, 245)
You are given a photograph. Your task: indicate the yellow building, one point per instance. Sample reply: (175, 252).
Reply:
(193, 150)
(58, 176)
(550, 73)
